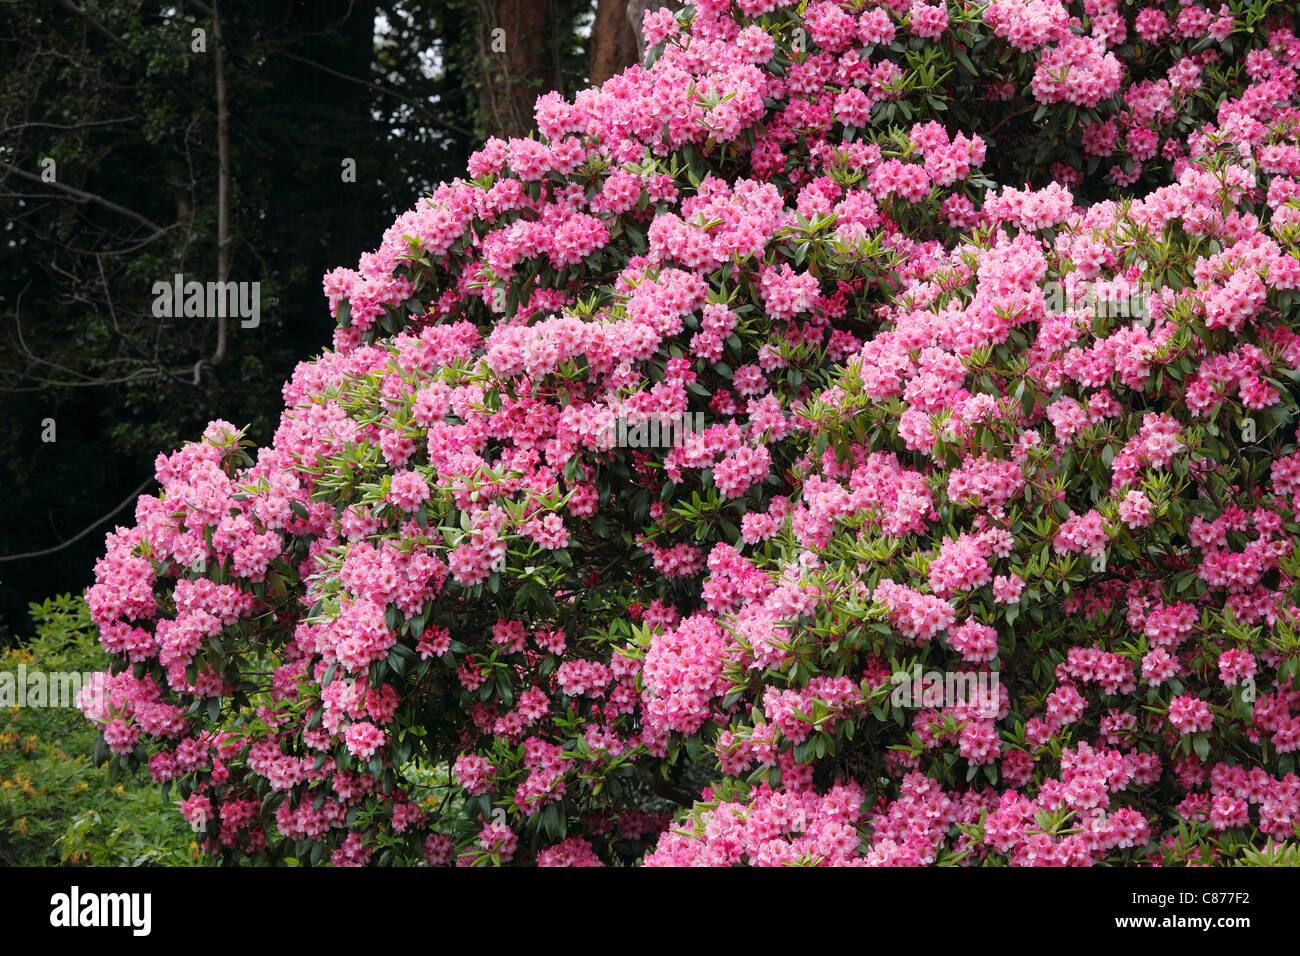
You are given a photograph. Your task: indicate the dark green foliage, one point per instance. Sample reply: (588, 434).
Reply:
(55, 804)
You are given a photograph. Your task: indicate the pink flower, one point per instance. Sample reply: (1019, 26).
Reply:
(363, 739)
(1135, 510)
(1189, 715)
(408, 490)
(975, 642)
(1007, 588)
(928, 21)
(474, 773)
(1236, 666)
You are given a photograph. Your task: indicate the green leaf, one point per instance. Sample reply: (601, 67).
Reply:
(1201, 744)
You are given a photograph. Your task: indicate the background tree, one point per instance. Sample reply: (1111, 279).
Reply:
(613, 39)
(124, 98)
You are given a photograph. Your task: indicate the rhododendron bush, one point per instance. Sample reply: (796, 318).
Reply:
(987, 312)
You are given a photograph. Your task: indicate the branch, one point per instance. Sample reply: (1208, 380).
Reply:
(99, 27)
(85, 125)
(84, 531)
(22, 343)
(88, 381)
(97, 383)
(223, 177)
(108, 296)
(84, 196)
(415, 104)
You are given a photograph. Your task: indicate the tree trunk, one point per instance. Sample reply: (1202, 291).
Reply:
(613, 41)
(223, 180)
(516, 46)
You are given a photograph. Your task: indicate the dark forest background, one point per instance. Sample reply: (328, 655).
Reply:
(224, 162)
